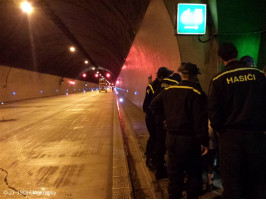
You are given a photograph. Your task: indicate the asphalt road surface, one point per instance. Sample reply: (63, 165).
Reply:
(57, 147)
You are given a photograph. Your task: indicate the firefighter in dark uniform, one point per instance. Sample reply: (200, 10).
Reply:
(237, 111)
(185, 109)
(150, 118)
(159, 148)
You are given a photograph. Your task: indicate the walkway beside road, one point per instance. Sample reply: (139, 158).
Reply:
(136, 122)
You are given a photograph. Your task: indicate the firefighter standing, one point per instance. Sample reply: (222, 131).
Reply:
(159, 148)
(162, 73)
(237, 111)
(185, 109)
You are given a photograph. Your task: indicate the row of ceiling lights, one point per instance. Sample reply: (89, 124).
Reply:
(72, 49)
(27, 8)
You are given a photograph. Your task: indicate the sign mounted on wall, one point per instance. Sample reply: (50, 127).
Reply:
(191, 19)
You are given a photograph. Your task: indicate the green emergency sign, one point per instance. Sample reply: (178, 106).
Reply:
(191, 18)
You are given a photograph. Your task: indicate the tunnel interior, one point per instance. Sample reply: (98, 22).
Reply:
(101, 32)
(128, 39)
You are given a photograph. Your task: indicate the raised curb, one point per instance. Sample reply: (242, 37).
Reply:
(121, 183)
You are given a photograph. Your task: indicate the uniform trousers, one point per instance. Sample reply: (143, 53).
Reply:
(150, 123)
(242, 155)
(184, 157)
(159, 148)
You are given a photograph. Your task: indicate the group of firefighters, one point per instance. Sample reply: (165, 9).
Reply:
(182, 119)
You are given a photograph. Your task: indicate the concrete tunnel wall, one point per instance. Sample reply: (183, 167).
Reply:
(28, 84)
(156, 45)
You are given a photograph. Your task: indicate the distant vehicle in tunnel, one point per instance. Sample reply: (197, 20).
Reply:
(102, 85)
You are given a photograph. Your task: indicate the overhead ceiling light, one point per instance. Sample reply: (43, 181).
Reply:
(72, 49)
(86, 62)
(26, 7)
(93, 68)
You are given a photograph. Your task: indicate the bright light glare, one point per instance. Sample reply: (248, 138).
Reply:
(2, 103)
(72, 82)
(26, 7)
(93, 68)
(72, 49)
(86, 62)
(121, 100)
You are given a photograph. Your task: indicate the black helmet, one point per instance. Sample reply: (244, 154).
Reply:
(164, 72)
(189, 68)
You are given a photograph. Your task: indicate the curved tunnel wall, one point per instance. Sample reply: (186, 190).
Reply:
(18, 84)
(155, 45)
(200, 50)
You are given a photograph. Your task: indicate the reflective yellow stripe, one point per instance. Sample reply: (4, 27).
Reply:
(168, 79)
(235, 70)
(184, 87)
(151, 88)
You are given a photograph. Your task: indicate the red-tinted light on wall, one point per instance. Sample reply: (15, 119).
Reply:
(108, 75)
(84, 75)
(72, 82)
(96, 75)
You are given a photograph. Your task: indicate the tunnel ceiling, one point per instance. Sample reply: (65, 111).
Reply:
(102, 32)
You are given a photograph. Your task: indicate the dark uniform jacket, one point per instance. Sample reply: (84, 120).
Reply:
(164, 84)
(237, 99)
(185, 109)
(154, 89)
(151, 88)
